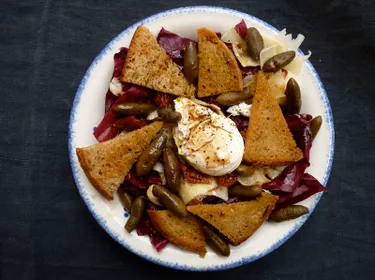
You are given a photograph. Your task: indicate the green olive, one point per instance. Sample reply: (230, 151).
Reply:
(246, 191)
(233, 98)
(169, 115)
(134, 109)
(254, 43)
(288, 213)
(152, 153)
(216, 242)
(171, 169)
(293, 96)
(191, 62)
(126, 199)
(170, 142)
(170, 200)
(245, 170)
(316, 123)
(137, 211)
(278, 61)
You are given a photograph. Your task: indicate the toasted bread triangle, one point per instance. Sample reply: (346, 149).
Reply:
(237, 221)
(148, 65)
(268, 139)
(184, 232)
(107, 163)
(218, 68)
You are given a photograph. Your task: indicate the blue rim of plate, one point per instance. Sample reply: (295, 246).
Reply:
(102, 221)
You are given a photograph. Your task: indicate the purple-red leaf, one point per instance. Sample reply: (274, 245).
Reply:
(241, 29)
(105, 129)
(174, 45)
(110, 99)
(119, 59)
(145, 181)
(135, 191)
(289, 179)
(240, 121)
(309, 186)
(250, 70)
(298, 121)
(299, 125)
(145, 227)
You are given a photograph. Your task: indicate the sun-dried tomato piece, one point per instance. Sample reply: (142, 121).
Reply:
(194, 176)
(227, 180)
(130, 123)
(195, 201)
(163, 99)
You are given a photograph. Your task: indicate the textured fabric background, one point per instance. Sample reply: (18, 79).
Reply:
(46, 232)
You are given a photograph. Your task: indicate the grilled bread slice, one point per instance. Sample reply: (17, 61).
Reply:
(107, 163)
(237, 221)
(186, 232)
(218, 68)
(148, 65)
(268, 140)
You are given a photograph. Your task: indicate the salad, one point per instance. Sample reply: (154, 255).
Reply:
(204, 141)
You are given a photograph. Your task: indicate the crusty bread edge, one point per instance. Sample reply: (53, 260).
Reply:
(201, 253)
(273, 163)
(131, 51)
(85, 166)
(273, 200)
(271, 205)
(233, 60)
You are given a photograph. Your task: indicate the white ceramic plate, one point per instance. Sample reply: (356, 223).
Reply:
(88, 109)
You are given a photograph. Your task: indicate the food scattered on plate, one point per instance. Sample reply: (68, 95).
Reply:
(204, 141)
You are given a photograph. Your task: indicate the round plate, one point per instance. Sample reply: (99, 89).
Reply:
(88, 110)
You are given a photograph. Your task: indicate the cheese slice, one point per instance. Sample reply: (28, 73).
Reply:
(189, 191)
(273, 45)
(261, 176)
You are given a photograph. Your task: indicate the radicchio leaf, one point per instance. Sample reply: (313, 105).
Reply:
(119, 60)
(174, 45)
(135, 191)
(289, 179)
(110, 99)
(145, 181)
(105, 129)
(145, 227)
(299, 125)
(241, 122)
(241, 29)
(250, 70)
(309, 186)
